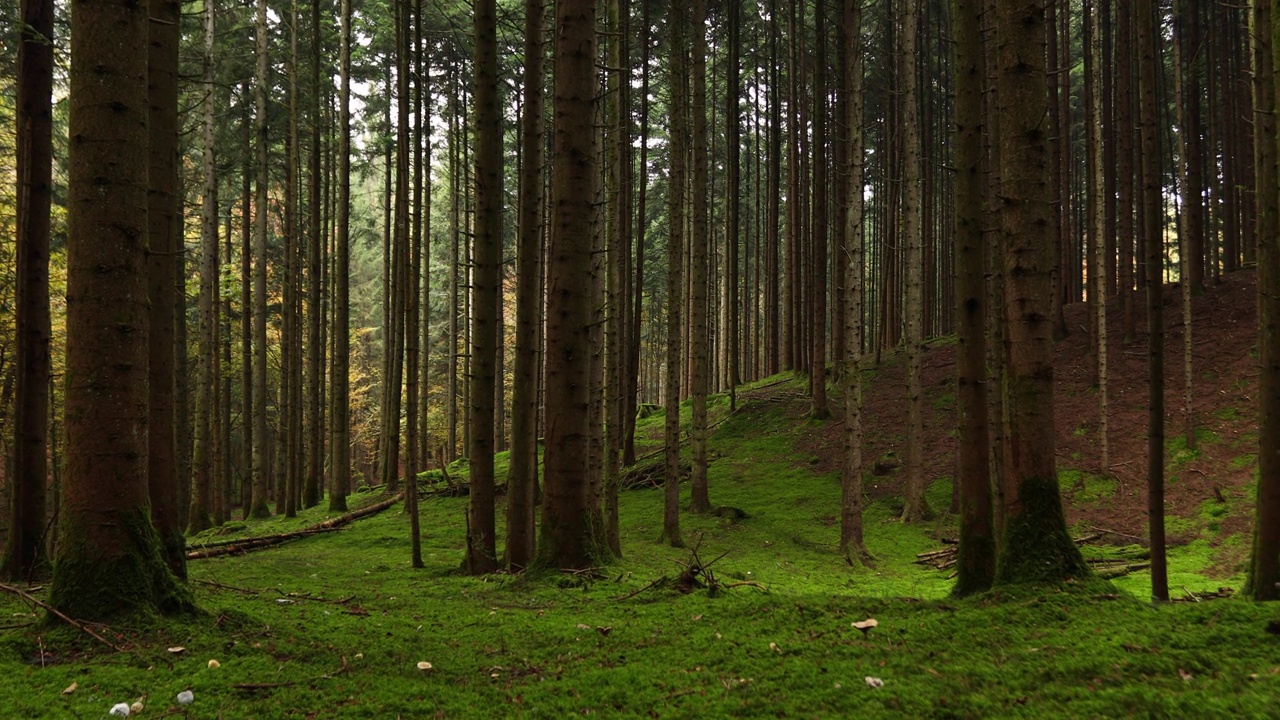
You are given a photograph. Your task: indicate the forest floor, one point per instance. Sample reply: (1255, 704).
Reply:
(335, 625)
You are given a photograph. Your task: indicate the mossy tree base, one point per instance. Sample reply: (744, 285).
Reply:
(1036, 547)
(92, 583)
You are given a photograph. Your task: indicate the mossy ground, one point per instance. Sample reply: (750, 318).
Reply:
(333, 626)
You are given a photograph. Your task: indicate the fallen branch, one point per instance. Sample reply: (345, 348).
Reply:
(254, 687)
(257, 543)
(656, 583)
(58, 614)
(220, 586)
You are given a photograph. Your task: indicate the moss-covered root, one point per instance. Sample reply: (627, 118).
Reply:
(1036, 547)
(90, 583)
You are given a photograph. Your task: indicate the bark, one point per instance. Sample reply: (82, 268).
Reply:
(818, 273)
(25, 551)
(699, 337)
(1032, 506)
(633, 383)
(976, 554)
(340, 422)
(853, 238)
(1150, 209)
(1264, 565)
(566, 514)
(1126, 122)
(915, 506)
(261, 466)
(522, 474)
(675, 249)
(314, 472)
(482, 555)
(1097, 224)
(733, 194)
(109, 558)
(619, 241)
(410, 46)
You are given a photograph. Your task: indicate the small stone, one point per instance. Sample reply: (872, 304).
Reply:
(186, 697)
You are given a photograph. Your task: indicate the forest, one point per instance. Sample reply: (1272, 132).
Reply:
(822, 358)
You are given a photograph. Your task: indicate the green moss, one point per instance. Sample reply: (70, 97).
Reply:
(1036, 547)
(90, 585)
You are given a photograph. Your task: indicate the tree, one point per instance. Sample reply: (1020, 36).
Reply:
(25, 554)
(259, 507)
(818, 272)
(522, 475)
(1150, 209)
(340, 422)
(411, 43)
(976, 553)
(853, 237)
(110, 562)
(482, 555)
(676, 78)
(915, 506)
(1036, 546)
(699, 277)
(315, 315)
(566, 514)
(1264, 565)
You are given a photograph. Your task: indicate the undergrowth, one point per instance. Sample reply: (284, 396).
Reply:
(335, 625)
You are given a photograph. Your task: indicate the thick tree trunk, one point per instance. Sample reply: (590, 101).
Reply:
(109, 558)
(566, 514)
(482, 557)
(261, 466)
(1264, 566)
(698, 334)
(976, 554)
(340, 421)
(1036, 546)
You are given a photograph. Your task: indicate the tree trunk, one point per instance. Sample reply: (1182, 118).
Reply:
(314, 473)
(915, 506)
(25, 552)
(482, 557)
(261, 466)
(676, 78)
(1151, 208)
(522, 474)
(818, 273)
(340, 421)
(110, 562)
(853, 241)
(1036, 546)
(976, 554)
(1098, 262)
(698, 334)
(1264, 565)
(566, 514)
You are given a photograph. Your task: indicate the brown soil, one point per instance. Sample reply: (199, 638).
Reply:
(1225, 379)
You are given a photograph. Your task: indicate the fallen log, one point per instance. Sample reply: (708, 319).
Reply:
(244, 545)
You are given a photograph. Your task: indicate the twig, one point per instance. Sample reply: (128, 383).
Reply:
(651, 585)
(220, 586)
(58, 614)
(1114, 532)
(1191, 594)
(747, 583)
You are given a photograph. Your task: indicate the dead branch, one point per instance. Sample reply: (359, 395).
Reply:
(257, 543)
(58, 614)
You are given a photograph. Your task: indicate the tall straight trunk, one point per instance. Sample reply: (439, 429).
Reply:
(109, 559)
(818, 268)
(198, 515)
(1032, 506)
(1098, 261)
(522, 474)
(618, 241)
(482, 557)
(772, 299)
(164, 243)
(976, 554)
(1126, 122)
(260, 438)
(455, 232)
(1189, 60)
(25, 551)
(340, 420)
(1264, 564)
(733, 194)
(641, 227)
(699, 337)
(314, 472)
(291, 359)
(853, 244)
(676, 77)
(915, 507)
(1150, 208)
(410, 32)
(566, 515)
(248, 408)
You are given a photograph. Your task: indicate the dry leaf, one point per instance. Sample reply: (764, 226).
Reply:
(70, 689)
(873, 682)
(177, 649)
(604, 631)
(1185, 675)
